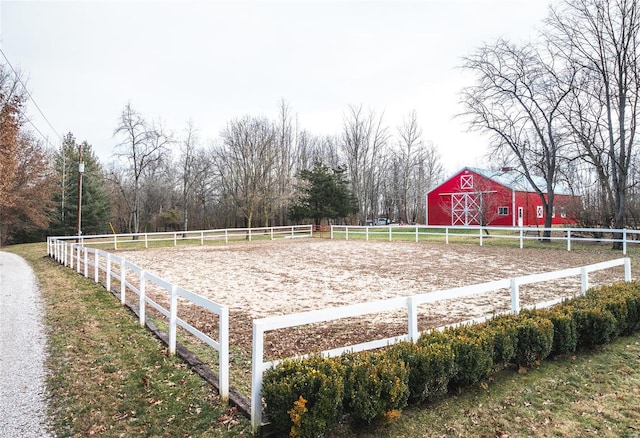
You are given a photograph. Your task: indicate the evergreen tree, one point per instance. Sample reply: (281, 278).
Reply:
(95, 197)
(325, 194)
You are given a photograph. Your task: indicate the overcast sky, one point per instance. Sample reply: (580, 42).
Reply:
(213, 61)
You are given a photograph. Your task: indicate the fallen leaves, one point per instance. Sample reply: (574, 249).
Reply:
(229, 418)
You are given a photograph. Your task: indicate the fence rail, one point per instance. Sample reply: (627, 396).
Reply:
(76, 255)
(522, 234)
(410, 304)
(201, 236)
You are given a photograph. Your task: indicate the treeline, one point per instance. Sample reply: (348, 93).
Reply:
(250, 175)
(257, 173)
(564, 108)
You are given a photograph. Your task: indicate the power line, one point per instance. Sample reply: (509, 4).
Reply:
(31, 98)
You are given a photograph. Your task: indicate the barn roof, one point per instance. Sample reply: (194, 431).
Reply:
(516, 181)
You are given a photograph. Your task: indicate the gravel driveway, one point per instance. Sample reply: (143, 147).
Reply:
(22, 352)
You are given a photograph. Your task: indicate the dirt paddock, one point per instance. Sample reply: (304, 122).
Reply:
(266, 278)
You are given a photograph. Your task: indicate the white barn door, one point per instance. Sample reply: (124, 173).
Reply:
(466, 208)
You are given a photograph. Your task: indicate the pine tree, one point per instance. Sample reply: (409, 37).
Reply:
(325, 195)
(95, 197)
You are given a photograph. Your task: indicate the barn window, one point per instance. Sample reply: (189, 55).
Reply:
(466, 182)
(563, 214)
(553, 212)
(503, 211)
(539, 212)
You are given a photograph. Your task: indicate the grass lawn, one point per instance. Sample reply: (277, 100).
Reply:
(109, 377)
(591, 394)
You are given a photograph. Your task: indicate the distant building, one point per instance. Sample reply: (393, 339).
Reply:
(500, 198)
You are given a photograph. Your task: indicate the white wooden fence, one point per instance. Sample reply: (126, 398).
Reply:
(411, 303)
(522, 234)
(73, 252)
(200, 236)
(81, 258)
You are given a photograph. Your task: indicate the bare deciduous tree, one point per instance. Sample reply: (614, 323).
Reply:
(517, 100)
(601, 39)
(143, 146)
(419, 169)
(364, 139)
(194, 166)
(245, 162)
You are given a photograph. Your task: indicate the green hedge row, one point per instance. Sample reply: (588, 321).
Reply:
(306, 398)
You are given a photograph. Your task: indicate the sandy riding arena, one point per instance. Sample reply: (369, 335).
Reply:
(265, 278)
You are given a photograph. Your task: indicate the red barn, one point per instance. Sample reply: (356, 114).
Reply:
(499, 198)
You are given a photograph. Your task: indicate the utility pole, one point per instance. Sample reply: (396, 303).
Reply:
(80, 172)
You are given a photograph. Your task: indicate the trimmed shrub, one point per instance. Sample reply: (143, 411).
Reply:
(632, 295)
(503, 331)
(304, 397)
(430, 368)
(565, 334)
(595, 326)
(535, 339)
(375, 386)
(472, 349)
(611, 298)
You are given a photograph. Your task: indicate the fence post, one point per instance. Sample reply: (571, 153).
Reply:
(201, 237)
(412, 312)
(521, 238)
(86, 262)
(142, 299)
(249, 234)
(569, 239)
(390, 238)
(584, 275)
(481, 235)
(96, 263)
(115, 242)
(446, 235)
(416, 234)
(146, 240)
(256, 378)
(78, 259)
(175, 239)
(108, 273)
(173, 318)
(123, 280)
(226, 236)
(346, 232)
(515, 296)
(223, 366)
(627, 269)
(366, 234)
(624, 241)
